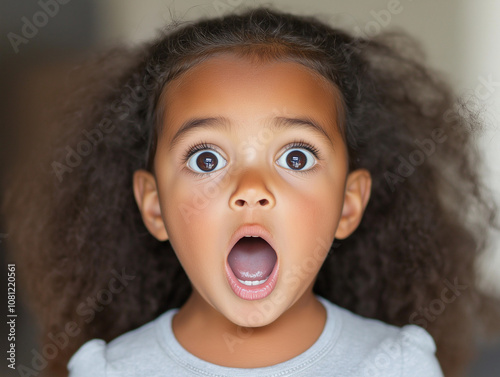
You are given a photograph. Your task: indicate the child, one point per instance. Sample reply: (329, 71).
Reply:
(263, 194)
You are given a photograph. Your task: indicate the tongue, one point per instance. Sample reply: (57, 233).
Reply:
(252, 259)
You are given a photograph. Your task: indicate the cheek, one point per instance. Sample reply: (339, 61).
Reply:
(189, 204)
(321, 199)
(188, 212)
(315, 212)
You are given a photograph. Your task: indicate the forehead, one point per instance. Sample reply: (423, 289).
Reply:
(247, 90)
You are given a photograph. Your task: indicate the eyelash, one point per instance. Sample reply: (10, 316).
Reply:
(195, 148)
(307, 146)
(294, 144)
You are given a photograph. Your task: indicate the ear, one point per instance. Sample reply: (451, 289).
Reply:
(146, 196)
(357, 194)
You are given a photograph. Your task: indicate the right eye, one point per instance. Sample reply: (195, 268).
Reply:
(206, 161)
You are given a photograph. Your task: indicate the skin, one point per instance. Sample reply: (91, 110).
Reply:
(199, 214)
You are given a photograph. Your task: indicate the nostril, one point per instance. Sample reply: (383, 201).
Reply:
(262, 202)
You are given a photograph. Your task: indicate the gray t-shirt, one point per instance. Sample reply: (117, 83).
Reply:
(350, 345)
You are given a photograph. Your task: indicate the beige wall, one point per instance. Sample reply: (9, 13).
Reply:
(438, 24)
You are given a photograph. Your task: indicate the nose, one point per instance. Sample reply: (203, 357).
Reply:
(251, 192)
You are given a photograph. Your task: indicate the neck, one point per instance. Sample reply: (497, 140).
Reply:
(208, 335)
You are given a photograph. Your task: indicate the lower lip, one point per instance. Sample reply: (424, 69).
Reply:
(255, 292)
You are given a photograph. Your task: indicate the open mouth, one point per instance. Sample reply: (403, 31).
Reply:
(252, 260)
(252, 268)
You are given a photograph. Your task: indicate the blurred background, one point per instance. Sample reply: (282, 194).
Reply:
(42, 41)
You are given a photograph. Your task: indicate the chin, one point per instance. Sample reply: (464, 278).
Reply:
(254, 314)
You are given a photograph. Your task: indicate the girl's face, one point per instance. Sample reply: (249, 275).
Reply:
(243, 117)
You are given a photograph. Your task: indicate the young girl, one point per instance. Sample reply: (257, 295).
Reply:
(259, 194)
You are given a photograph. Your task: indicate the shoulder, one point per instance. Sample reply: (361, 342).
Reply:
(358, 331)
(409, 352)
(89, 360)
(419, 352)
(385, 350)
(121, 356)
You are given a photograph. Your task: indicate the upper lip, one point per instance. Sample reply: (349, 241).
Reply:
(252, 230)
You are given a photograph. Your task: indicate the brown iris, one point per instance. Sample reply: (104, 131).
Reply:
(296, 159)
(206, 161)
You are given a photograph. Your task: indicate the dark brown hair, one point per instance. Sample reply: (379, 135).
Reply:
(75, 226)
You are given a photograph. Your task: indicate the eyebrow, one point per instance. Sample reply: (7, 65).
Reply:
(223, 124)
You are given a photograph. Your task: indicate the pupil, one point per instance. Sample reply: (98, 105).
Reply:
(296, 159)
(206, 161)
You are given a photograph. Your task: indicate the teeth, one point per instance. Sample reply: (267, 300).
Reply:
(256, 282)
(251, 236)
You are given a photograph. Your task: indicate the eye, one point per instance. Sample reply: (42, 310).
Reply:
(205, 160)
(298, 157)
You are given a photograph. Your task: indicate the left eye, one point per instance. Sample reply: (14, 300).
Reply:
(205, 161)
(297, 159)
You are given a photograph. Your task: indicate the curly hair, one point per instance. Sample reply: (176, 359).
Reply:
(75, 227)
